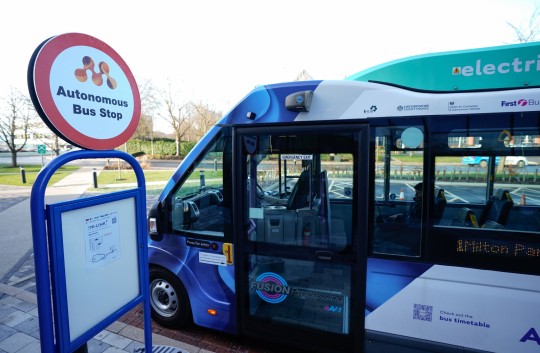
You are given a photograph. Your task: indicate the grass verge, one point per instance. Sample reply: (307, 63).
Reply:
(115, 177)
(13, 176)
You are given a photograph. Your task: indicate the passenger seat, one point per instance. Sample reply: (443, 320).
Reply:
(439, 205)
(466, 218)
(496, 211)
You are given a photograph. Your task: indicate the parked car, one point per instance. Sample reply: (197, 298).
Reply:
(482, 161)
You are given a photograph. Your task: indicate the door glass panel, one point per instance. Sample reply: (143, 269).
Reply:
(300, 190)
(299, 225)
(398, 190)
(300, 292)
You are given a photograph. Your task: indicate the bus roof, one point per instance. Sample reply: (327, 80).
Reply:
(501, 67)
(352, 100)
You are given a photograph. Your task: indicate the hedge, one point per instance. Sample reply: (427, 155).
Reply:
(163, 148)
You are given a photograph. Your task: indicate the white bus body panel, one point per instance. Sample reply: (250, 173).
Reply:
(486, 310)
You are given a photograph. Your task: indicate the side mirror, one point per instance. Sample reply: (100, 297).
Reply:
(155, 229)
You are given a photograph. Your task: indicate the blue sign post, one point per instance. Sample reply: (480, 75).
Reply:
(92, 251)
(64, 240)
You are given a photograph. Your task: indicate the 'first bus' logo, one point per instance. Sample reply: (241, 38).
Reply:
(271, 287)
(520, 103)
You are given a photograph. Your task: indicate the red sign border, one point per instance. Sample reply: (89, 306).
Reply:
(44, 60)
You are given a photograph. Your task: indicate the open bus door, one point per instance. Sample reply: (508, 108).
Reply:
(302, 235)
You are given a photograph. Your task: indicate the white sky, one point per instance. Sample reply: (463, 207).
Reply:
(217, 51)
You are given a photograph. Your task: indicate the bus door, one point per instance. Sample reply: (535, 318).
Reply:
(302, 241)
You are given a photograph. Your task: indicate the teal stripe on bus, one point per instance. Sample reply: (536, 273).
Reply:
(502, 67)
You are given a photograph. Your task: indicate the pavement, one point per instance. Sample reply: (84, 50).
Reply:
(19, 325)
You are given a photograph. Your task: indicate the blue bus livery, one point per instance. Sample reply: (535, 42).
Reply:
(345, 216)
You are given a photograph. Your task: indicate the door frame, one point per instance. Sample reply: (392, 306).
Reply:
(324, 341)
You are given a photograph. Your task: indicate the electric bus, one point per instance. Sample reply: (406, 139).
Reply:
(337, 216)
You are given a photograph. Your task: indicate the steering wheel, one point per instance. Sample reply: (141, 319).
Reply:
(260, 192)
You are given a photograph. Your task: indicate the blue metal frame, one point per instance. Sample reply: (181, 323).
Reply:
(47, 275)
(57, 256)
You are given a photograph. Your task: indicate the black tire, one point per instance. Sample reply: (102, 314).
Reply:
(520, 164)
(168, 299)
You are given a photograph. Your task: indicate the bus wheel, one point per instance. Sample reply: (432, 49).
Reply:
(168, 299)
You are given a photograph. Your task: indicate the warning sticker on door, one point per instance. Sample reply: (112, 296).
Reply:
(212, 259)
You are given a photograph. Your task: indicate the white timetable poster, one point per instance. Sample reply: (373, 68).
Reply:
(102, 239)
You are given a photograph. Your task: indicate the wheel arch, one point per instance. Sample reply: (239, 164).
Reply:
(184, 316)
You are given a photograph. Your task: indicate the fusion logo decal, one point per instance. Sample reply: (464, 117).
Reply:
(479, 68)
(271, 287)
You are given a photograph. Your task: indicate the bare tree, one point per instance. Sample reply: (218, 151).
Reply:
(51, 140)
(14, 120)
(529, 32)
(41, 132)
(303, 76)
(145, 129)
(177, 115)
(203, 118)
(54, 144)
(150, 104)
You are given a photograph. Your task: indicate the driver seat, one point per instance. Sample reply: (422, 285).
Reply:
(299, 197)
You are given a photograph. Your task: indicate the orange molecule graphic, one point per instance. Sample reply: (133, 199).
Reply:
(88, 63)
(97, 77)
(104, 68)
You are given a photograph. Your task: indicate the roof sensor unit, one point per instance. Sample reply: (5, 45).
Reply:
(299, 101)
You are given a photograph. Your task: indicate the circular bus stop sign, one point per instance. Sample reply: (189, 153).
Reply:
(84, 91)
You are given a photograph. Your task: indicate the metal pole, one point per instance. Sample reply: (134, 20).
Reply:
(23, 175)
(95, 178)
(202, 180)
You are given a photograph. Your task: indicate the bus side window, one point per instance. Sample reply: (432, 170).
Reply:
(487, 170)
(398, 190)
(201, 206)
(473, 203)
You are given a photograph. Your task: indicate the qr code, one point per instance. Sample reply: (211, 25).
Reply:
(422, 312)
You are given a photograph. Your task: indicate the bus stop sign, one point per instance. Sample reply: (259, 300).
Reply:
(84, 91)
